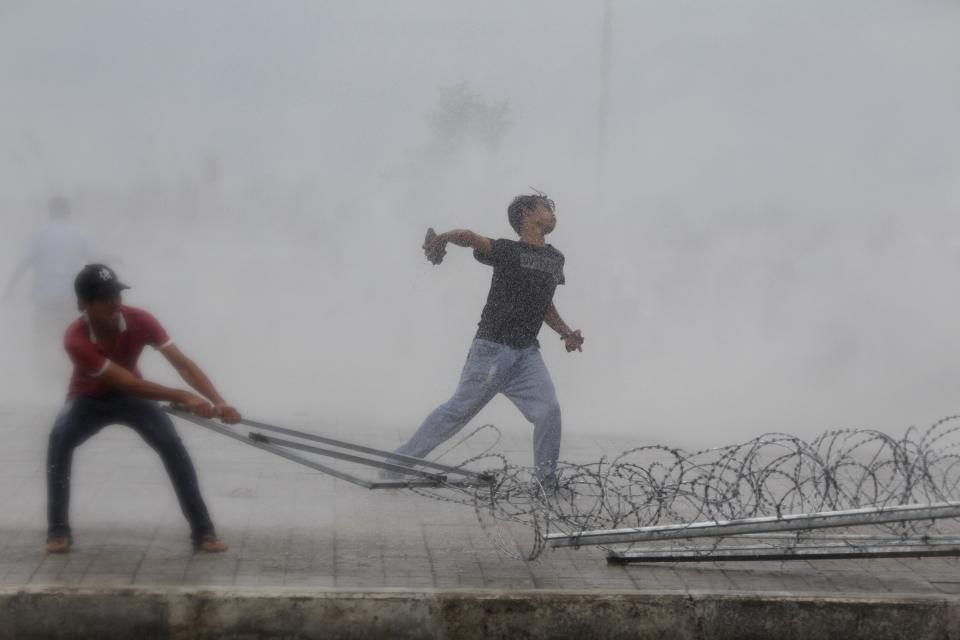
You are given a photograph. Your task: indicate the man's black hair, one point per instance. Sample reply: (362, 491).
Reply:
(521, 204)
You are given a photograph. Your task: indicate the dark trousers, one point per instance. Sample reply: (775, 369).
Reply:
(82, 417)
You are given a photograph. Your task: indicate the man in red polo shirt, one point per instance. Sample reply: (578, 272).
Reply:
(106, 388)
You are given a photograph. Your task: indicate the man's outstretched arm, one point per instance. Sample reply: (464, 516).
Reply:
(572, 340)
(196, 378)
(434, 247)
(120, 378)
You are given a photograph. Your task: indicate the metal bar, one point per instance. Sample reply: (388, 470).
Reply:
(399, 468)
(793, 522)
(406, 484)
(209, 424)
(838, 551)
(403, 484)
(262, 442)
(803, 538)
(362, 449)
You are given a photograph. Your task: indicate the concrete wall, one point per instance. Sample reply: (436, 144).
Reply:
(188, 614)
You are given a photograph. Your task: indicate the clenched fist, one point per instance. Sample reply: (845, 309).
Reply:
(434, 246)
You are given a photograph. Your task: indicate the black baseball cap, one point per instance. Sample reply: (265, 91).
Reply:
(97, 281)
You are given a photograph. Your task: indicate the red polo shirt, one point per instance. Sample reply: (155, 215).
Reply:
(90, 357)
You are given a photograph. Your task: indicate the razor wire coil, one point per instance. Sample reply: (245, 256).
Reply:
(771, 475)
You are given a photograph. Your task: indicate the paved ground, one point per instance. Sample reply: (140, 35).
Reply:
(289, 526)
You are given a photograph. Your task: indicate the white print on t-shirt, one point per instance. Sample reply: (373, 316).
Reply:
(545, 264)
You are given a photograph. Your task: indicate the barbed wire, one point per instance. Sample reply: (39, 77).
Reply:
(771, 475)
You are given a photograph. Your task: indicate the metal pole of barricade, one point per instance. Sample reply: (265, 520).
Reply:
(828, 551)
(483, 477)
(279, 446)
(769, 524)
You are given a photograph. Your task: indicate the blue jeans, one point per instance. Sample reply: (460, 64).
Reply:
(493, 368)
(84, 416)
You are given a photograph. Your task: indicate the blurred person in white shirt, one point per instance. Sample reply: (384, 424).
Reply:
(55, 253)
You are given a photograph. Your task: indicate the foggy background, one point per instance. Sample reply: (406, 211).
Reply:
(766, 238)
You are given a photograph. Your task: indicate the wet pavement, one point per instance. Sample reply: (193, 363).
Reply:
(289, 526)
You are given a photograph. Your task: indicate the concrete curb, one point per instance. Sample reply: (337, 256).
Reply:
(204, 614)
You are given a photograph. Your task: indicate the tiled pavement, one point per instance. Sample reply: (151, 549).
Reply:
(290, 526)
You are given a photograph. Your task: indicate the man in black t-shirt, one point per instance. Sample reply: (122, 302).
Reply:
(505, 355)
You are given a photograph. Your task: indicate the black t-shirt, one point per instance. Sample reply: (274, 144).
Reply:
(524, 279)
